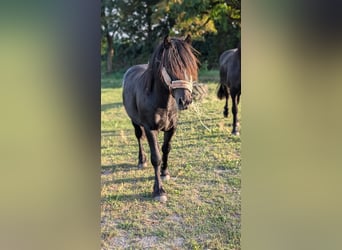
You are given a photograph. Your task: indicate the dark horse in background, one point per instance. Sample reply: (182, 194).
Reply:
(230, 82)
(152, 95)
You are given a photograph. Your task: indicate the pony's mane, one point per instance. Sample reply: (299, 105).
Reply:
(178, 56)
(239, 52)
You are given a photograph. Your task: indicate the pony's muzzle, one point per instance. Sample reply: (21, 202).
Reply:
(183, 103)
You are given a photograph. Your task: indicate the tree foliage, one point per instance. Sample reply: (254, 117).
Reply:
(136, 26)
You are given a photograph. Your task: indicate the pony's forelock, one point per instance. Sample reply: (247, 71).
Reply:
(178, 58)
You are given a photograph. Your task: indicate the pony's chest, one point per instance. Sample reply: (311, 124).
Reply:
(165, 119)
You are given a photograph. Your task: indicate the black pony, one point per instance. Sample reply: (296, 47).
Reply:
(230, 82)
(152, 95)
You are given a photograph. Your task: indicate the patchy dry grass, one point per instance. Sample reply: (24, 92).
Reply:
(203, 207)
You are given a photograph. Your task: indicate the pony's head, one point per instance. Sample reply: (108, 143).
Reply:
(176, 66)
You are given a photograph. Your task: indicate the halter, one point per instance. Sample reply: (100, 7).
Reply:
(177, 84)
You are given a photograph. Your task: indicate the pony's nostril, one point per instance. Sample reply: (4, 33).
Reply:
(180, 101)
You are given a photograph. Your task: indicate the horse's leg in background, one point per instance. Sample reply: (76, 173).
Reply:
(158, 191)
(225, 110)
(223, 92)
(235, 99)
(238, 101)
(139, 133)
(165, 175)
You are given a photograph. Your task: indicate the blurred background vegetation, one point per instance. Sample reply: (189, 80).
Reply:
(132, 28)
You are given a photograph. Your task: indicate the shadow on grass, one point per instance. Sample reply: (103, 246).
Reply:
(118, 167)
(129, 180)
(117, 132)
(146, 196)
(122, 196)
(105, 107)
(126, 167)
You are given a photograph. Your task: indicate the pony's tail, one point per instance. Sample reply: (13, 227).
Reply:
(222, 92)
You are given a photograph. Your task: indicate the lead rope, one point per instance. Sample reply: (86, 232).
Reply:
(195, 107)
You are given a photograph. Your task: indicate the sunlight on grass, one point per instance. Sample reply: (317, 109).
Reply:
(203, 208)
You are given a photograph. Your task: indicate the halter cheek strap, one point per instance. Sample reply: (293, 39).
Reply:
(177, 84)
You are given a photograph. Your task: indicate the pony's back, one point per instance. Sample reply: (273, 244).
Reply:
(230, 68)
(133, 85)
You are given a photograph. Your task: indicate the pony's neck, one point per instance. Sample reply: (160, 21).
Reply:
(154, 82)
(162, 94)
(160, 88)
(157, 89)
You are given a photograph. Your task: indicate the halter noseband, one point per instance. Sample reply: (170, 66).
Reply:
(177, 84)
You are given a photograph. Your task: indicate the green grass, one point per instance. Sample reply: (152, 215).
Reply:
(204, 205)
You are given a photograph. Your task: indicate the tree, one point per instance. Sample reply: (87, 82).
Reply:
(199, 17)
(108, 26)
(213, 24)
(132, 27)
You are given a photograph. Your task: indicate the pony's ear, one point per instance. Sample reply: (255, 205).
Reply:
(188, 39)
(167, 41)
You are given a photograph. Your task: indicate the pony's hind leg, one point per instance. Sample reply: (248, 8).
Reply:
(225, 109)
(235, 99)
(139, 133)
(223, 92)
(165, 175)
(226, 94)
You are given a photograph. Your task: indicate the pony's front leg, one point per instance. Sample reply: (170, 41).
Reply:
(165, 175)
(158, 191)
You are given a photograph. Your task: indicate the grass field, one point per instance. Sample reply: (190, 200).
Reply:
(204, 203)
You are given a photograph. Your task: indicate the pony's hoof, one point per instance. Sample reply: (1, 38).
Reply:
(142, 165)
(161, 198)
(225, 112)
(236, 133)
(165, 177)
